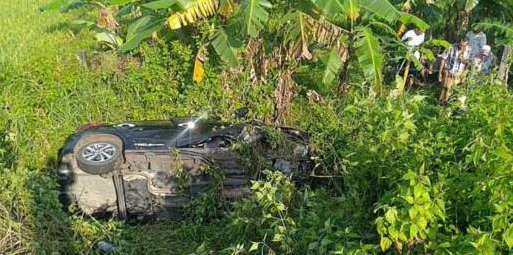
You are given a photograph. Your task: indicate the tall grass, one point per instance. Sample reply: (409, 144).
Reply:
(45, 93)
(366, 145)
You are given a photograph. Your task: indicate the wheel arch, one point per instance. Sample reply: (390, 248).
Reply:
(91, 136)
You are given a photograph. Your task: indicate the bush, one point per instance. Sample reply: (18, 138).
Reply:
(438, 180)
(395, 174)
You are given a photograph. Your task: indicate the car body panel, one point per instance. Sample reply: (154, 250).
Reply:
(166, 163)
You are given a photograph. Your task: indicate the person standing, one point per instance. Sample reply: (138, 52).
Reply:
(476, 40)
(454, 61)
(414, 38)
(484, 61)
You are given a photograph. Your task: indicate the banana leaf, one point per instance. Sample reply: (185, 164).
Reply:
(412, 19)
(470, 4)
(368, 52)
(140, 30)
(333, 63)
(160, 4)
(255, 16)
(381, 8)
(330, 8)
(225, 46)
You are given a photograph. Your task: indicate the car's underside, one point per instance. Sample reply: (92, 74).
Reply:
(154, 182)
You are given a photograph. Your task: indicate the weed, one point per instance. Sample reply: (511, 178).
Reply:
(395, 173)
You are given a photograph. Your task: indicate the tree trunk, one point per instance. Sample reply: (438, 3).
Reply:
(465, 21)
(405, 76)
(460, 23)
(344, 74)
(505, 64)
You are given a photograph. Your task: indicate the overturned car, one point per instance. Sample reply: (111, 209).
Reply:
(153, 169)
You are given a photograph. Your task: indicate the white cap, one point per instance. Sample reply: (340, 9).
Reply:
(486, 49)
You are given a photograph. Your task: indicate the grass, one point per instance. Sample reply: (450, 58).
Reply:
(368, 143)
(45, 94)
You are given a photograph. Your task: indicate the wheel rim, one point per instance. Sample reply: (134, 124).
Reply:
(99, 152)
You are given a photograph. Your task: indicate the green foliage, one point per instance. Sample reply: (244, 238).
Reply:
(53, 5)
(102, 34)
(255, 16)
(470, 4)
(383, 9)
(333, 64)
(67, 5)
(281, 219)
(369, 56)
(139, 30)
(304, 23)
(409, 18)
(114, 2)
(331, 8)
(437, 42)
(226, 46)
(499, 29)
(160, 4)
(395, 174)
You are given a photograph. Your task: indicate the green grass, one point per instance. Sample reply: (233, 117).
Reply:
(45, 94)
(366, 144)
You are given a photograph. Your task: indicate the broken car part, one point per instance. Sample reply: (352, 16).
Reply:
(154, 168)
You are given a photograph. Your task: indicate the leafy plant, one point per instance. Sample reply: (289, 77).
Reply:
(369, 56)
(306, 24)
(255, 16)
(189, 13)
(105, 27)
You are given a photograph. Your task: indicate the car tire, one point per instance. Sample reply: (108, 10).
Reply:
(99, 154)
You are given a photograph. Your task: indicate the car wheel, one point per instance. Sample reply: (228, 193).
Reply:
(99, 157)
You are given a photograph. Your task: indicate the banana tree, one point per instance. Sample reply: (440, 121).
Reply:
(363, 43)
(309, 17)
(105, 27)
(176, 14)
(443, 14)
(407, 53)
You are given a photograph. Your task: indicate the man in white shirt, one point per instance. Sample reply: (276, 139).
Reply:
(414, 38)
(476, 41)
(454, 62)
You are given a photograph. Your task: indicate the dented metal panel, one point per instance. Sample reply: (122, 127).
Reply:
(161, 175)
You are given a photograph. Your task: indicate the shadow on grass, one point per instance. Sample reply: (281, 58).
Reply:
(31, 217)
(68, 24)
(52, 231)
(7, 154)
(61, 26)
(32, 213)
